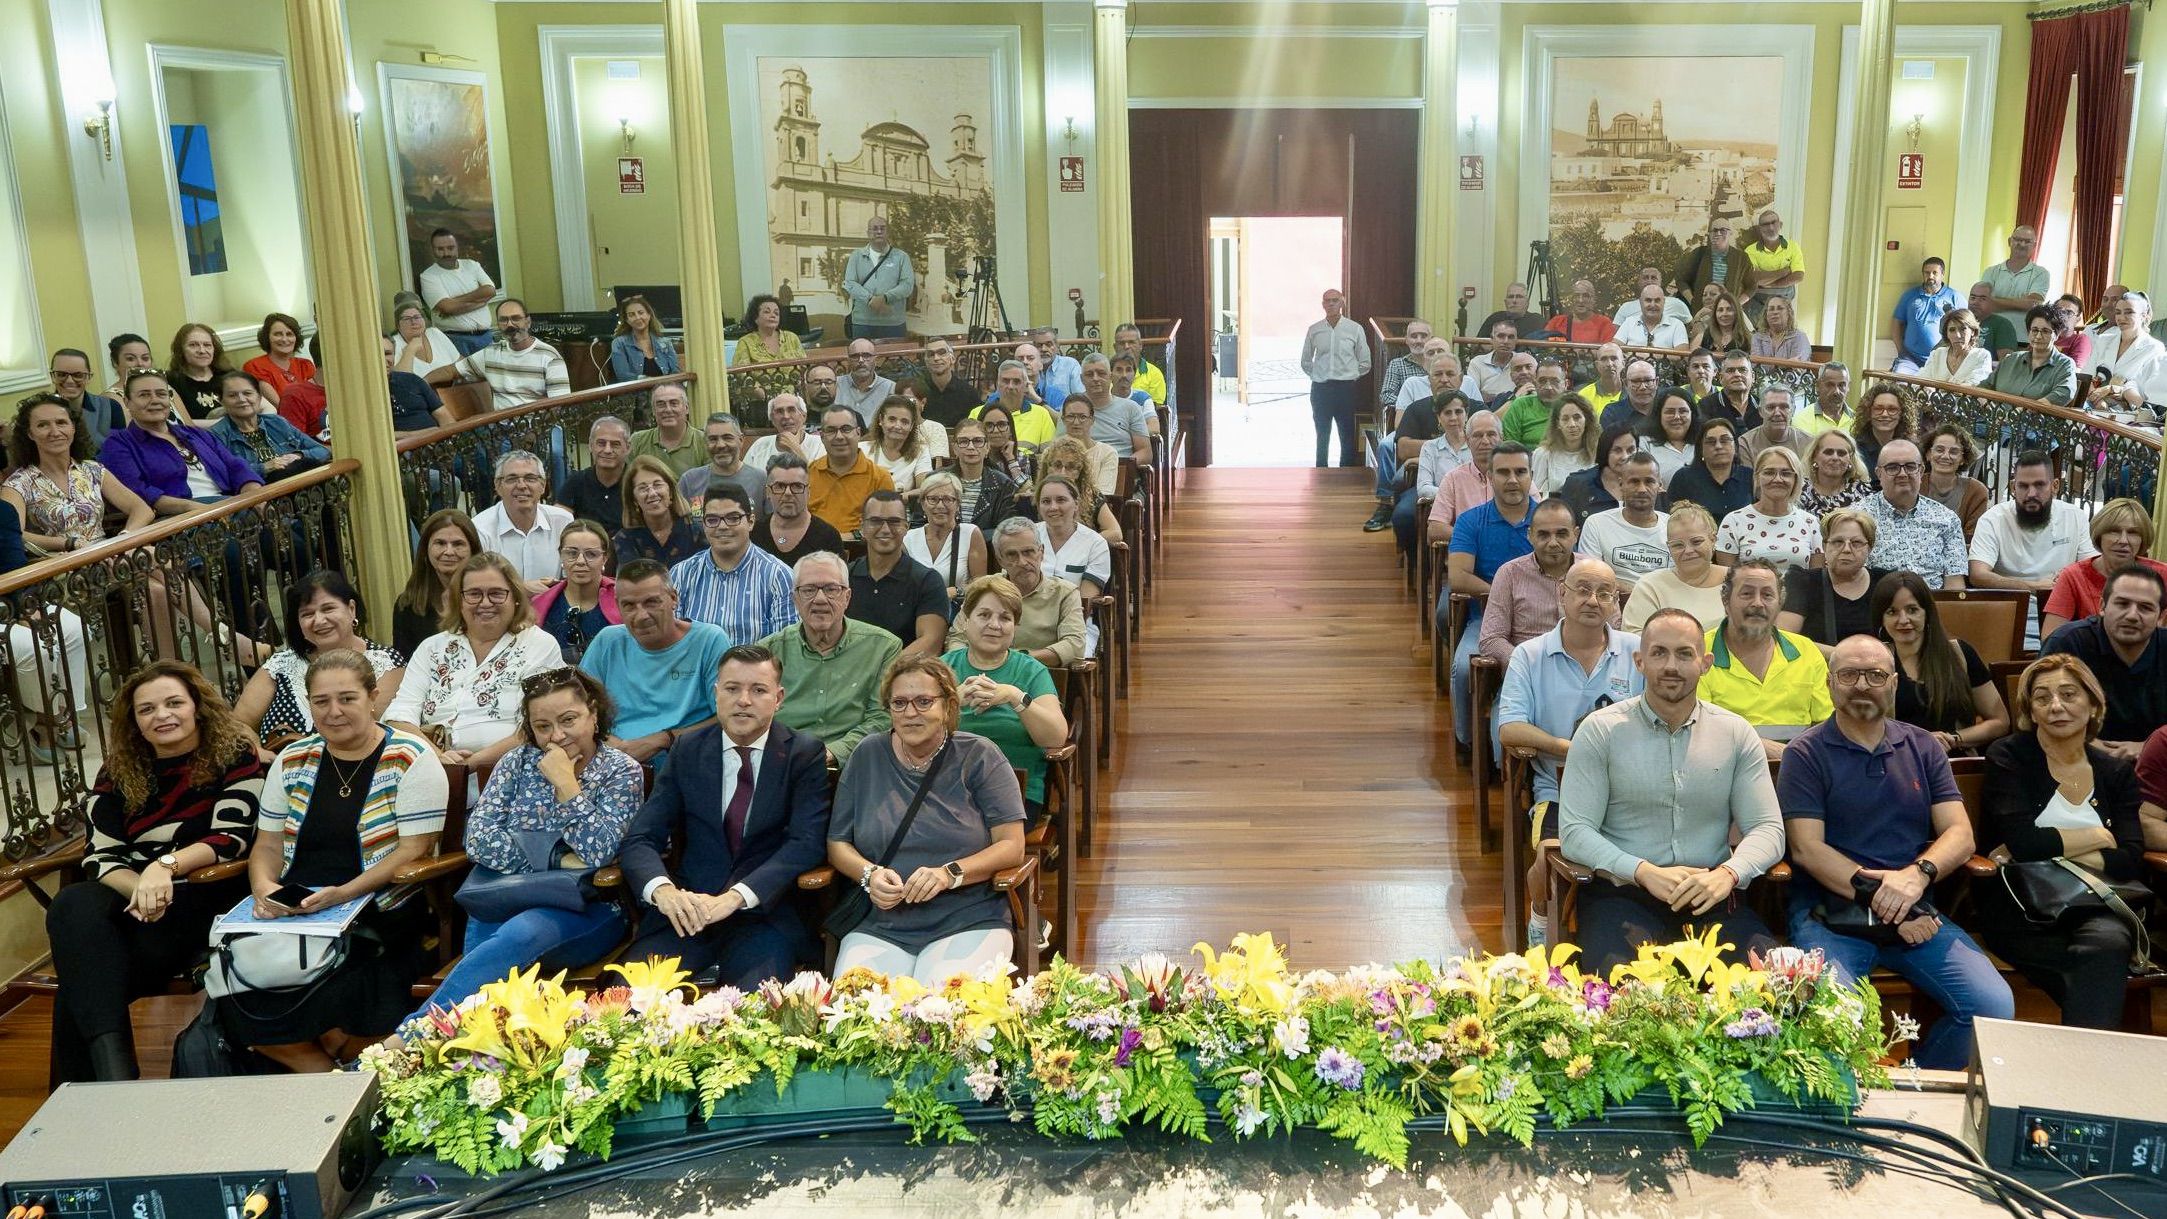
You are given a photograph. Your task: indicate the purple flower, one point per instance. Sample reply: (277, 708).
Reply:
(1380, 1002)
(1339, 1068)
(1130, 1039)
(1753, 1022)
(1596, 994)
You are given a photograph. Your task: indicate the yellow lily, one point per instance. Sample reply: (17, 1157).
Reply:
(985, 1005)
(1252, 974)
(652, 979)
(1695, 954)
(903, 988)
(1732, 983)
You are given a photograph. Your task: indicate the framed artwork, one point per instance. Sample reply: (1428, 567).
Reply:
(195, 181)
(443, 170)
(1642, 140)
(917, 127)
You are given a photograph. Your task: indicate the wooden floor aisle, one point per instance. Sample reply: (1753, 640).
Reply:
(1281, 763)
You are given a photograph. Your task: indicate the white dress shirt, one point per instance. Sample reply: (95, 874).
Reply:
(1335, 352)
(532, 551)
(730, 767)
(2143, 364)
(1634, 333)
(1674, 310)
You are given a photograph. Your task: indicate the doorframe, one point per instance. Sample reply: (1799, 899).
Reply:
(561, 45)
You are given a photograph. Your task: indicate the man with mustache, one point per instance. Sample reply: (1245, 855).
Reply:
(2026, 540)
(1776, 680)
(655, 664)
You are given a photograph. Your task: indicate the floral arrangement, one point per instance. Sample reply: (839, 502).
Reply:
(527, 1072)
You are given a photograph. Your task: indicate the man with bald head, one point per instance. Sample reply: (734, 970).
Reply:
(1516, 310)
(1915, 533)
(2018, 283)
(1874, 818)
(1609, 383)
(1648, 327)
(1404, 368)
(1661, 848)
(1581, 322)
(1675, 309)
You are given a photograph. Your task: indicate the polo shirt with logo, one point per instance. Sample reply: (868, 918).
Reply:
(1792, 694)
(1875, 806)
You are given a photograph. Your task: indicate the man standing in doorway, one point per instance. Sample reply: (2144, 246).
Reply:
(458, 291)
(879, 279)
(1335, 358)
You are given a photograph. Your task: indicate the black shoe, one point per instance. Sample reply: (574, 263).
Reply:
(112, 1057)
(1378, 521)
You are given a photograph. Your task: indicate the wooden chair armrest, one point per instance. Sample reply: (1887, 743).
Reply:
(1061, 753)
(816, 878)
(610, 877)
(1578, 874)
(1980, 866)
(1016, 877)
(2156, 860)
(430, 868)
(218, 872)
(1780, 874)
(46, 865)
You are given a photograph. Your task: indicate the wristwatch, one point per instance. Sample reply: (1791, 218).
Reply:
(1926, 867)
(170, 861)
(955, 874)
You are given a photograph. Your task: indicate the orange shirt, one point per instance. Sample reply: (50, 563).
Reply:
(839, 499)
(300, 369)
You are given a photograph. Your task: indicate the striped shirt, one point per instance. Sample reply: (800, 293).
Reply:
(221, 815)
(752, 601)
(518, 377)
(407, 795)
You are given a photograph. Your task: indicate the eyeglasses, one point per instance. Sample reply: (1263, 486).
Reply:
(1901, 467)
(841, 429)
(1602, 593)
(939, 501)
(715, 520)
(520, 479)
(871, 523)
(921, 704)
(548, 680)
(70, 376)
(586, 555)
(485, 596)
(968, 442)
(1872, 679)
(774, 488)
(814, 592)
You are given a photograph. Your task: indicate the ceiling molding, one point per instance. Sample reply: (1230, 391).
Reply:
(1277, 31)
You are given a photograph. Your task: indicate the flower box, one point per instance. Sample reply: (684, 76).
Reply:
(657, 1119)
(838, 1094)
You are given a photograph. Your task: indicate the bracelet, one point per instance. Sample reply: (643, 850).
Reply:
(865, 878)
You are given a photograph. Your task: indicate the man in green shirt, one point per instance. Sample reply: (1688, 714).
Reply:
(831, 663)
(1998, 332)
(1526, 419)
(672, 438)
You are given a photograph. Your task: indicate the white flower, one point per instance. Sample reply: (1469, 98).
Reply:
(575, 1061)
(485, 1090)
(1247, 1118)
(549, 1157)
(1907, 1027)
(511, 1131)
(579, 1092)
(806, 982)
(983, 1081)
(1109, 1108)
(1291, 1035)
(933, 1009)
(879, 1006)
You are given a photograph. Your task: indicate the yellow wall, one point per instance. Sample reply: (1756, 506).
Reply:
(1274, 56)
(1941, 102)
(519, 47)
(635, 236)
(36, 135)
(2141, 201)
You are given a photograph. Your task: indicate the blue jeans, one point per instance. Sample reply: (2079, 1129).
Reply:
(1388, 465)
(1949, 967)
(1405, 526)
(467, 342)
(557, 939)
(1463, 710)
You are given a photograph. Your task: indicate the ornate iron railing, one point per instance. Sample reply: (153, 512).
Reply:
(202, 588)
(450, 467)
(751, 385)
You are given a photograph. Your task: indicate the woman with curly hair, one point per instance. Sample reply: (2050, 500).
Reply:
(1884, 414)
(1950, 450)
(177, 794)
(1720, 325)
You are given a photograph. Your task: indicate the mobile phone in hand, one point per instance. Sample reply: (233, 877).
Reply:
(291, 896)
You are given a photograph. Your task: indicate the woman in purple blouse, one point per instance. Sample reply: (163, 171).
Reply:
(172, 465)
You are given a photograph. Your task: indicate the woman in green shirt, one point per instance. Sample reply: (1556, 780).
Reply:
(1008, 697)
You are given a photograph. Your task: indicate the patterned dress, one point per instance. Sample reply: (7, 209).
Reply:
(75, 511)
(288, 712)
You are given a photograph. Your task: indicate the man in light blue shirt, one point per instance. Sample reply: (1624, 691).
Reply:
(654, 663)
(1553, 681)
(734, 584)
(1059, 375)
(1915, 326)
(879, 279)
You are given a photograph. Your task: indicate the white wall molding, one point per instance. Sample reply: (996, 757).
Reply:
(81, 54)
(386, 72)
(561, 45)
(1276, 32)
(1979, 46)
(1071, 74)
(1275, 103)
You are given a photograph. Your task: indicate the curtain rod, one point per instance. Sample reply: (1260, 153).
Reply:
(2094, 7)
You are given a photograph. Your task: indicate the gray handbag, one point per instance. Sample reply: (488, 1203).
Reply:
(494, 896)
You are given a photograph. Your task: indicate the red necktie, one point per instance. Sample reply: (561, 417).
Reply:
(733, 818)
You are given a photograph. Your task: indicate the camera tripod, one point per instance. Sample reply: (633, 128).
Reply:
(1542, 279)
(986, 304)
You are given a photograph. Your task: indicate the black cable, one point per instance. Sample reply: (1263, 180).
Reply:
(2064, 1166)
(383, 1210)
(2038, 1200)
(1932, 1170)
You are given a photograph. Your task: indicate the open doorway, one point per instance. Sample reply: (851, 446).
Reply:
(1267, 275)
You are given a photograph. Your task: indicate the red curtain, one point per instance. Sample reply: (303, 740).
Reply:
(2102, 137)
(2091, 47)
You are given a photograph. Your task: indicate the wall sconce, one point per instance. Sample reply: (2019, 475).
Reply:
(1068, 129)
(1918, 124)
(439, 58)
(99, 126)
(625, 133)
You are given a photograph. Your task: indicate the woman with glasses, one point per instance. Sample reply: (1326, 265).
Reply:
(1959, 360)
(344, 809)
(2052, 794)
(1833, 602)
(658, 522)
(1715, 479)
(935, 913)
(1884, 415)
(174, 467)
(2121, 533)
(953, 547)
(1835, 478)
(989, 494)
(2039, 370)
(559, 801)
(1692, 582)
(1004, 452)
(323, 614)
(576, 608)
(462, 684)
(1950, 451)
(1941, 684)
(1101, 463)
(1779, 337)
(1772, 527)
(1008, 697)
(418, 347)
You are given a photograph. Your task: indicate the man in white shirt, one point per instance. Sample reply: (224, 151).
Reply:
(519, 367)
(1487, 375)
(2017, 282)
(864, 389)
(1633, 537)
(879, 280)
(1651, 328)
(1335, 358)
(2026, 540)
(519, 525)
(458, 292)
(1674, 310)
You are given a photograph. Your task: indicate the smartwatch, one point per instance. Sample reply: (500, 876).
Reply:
(955, 874)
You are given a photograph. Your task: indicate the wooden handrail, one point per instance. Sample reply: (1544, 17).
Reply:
(919, 349)
(582, 398)
(172, 526)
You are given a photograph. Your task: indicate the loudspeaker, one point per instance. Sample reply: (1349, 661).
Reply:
(196, 1148)
(2041, 1098)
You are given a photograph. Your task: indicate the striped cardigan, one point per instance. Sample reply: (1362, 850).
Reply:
(406, 798)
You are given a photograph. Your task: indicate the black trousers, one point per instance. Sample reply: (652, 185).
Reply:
(2084, 968)
(1334, 403)
(107, 959)
(745, 949)
(1615, 920)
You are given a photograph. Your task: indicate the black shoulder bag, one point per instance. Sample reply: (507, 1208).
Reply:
(856, 904)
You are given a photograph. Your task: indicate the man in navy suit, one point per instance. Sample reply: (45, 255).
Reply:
(746, 802)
